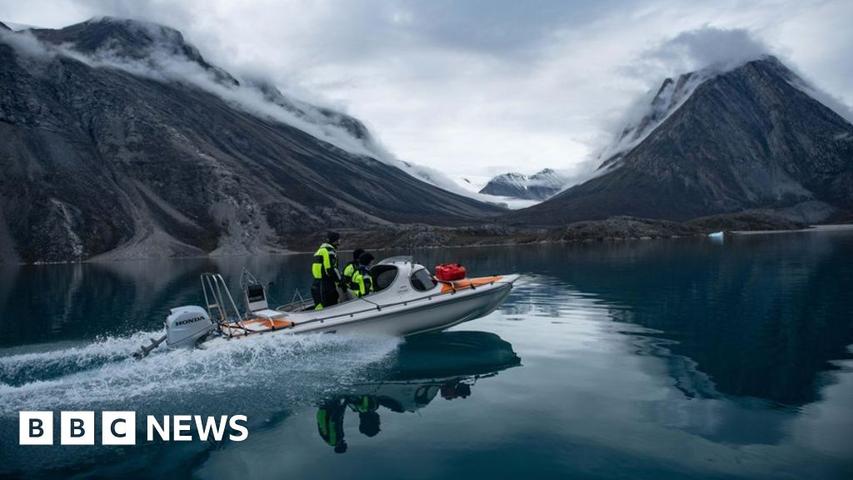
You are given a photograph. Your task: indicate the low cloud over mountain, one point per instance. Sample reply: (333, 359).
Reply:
(121, 139)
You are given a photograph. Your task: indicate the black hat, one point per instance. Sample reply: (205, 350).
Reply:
(365, 258)
(357, 253)
(333, 237)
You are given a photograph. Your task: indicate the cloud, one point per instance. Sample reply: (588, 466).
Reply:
(706, 51)
(26, 44)
(483, 87)
(164, 62)
(719, 49)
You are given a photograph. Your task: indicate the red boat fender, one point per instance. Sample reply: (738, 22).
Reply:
(448, 272)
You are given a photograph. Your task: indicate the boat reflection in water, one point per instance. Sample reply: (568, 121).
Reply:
(446, 365)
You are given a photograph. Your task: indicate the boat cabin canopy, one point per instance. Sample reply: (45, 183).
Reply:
(401, 271)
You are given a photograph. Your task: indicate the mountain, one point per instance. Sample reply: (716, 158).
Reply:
(128, 39)
(119, 140)
(713, 143)
(538, 186)
(648, 115)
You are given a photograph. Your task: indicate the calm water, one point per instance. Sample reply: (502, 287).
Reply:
(630, 360)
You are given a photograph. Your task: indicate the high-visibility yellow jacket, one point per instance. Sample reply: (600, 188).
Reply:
(325, 264)
(330, 423)
(365, 403)
(349, 271)
(362, 281)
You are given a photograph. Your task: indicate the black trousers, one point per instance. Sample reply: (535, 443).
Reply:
(324, 292)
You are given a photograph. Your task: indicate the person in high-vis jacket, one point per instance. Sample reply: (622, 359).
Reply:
(350, 268)
(361, 279)
(325, 272)
(330, 423)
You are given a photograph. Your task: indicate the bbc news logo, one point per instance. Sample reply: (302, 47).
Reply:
(119, 428)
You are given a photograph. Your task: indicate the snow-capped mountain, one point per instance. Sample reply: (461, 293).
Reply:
(538, 186)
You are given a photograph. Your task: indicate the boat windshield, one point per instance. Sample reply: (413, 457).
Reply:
(383, 276)
(422, 280)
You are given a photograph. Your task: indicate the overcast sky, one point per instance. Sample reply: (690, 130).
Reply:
(484, 87)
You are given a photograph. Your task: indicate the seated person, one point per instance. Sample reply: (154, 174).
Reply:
(361, 279)
(349, 270)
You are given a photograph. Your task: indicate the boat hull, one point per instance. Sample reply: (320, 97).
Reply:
(432, 316)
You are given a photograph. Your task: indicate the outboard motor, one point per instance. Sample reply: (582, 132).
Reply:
(185, 326)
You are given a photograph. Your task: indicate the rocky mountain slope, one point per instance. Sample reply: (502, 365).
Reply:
(713, 143)
(118, 139)
(538, 186)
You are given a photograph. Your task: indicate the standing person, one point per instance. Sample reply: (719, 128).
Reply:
(368, 418)
(324, 290)
(349, 271)
(330, 423)
(361, 279)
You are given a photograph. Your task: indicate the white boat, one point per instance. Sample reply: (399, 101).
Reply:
(407, 300)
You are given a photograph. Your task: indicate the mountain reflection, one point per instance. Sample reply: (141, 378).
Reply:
(761, 318)
(41, 303)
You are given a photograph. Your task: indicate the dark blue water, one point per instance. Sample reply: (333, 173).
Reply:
(657, 359)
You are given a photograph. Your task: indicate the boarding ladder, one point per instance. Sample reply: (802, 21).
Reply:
(218, 299)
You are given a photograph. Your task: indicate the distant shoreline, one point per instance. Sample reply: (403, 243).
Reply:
(603, 231)
(813, 228)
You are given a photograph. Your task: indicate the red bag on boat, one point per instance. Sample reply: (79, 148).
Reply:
(447, 272)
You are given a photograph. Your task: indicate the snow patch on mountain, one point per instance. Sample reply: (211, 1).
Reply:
(538, 186)
(472, 183)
